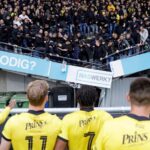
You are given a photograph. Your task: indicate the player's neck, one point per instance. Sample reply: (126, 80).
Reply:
(86, 108)
(140, 111)
(36, 108)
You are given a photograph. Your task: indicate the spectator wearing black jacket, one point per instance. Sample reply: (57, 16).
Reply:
(83, 51)
(99, 51)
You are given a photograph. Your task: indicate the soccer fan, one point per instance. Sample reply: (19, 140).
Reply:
(80, 128)
(143, 34)
(4, 114)
(35, 129)
(131, 131)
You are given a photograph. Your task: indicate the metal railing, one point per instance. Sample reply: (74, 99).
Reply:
(69, 110)
(57, 58)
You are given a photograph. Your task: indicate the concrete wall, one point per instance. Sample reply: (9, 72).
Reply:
(2, 81)
(16, 82)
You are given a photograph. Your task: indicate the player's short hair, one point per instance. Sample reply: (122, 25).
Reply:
(87, 95)
(36, 92)
(140, 91)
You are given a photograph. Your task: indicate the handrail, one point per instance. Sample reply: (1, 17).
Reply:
(17, 46)
(126, 49)
(75, 60)
(50, 54)
(69, 110)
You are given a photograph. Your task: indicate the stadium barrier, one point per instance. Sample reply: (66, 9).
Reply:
(69, 110)
(57, 58)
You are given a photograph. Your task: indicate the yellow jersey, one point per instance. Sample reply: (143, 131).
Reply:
(128, 132)
(80, 128)
(4, 114)
(35, 130)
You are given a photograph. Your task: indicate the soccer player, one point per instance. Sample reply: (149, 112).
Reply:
(131, 131)
(79, 129)
(35, 129)
(4, 114)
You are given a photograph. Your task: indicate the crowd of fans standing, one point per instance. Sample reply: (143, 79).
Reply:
(80, 29)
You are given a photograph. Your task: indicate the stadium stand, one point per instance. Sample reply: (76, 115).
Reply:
(93, 31)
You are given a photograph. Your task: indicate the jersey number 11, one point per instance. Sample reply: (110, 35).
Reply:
(30, 142)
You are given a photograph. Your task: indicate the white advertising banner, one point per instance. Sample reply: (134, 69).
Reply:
(117, 68)
(89, 77)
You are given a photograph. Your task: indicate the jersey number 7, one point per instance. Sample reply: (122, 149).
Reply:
(91, 136)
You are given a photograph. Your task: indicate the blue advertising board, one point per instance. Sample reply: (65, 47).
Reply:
(136, 64)
(24, 64)
(130, 65)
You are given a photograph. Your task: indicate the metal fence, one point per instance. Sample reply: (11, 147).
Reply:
(115, 111)
(138, 49)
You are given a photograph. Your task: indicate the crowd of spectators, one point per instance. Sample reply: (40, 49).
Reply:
(80, 29)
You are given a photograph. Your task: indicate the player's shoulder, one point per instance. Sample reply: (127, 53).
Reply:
(71, 115)
(122, 122)
(55, 117)
(13, 119)
(26, 114)
(102, 114)
(130, 118)
(95, 111)
(117, 121)
(77, 114)
(124, 118)
(18, 116)
(51, 117)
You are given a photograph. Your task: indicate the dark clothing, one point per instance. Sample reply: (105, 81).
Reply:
(99, 52)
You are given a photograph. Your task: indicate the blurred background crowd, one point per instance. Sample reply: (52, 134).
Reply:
(89, 30)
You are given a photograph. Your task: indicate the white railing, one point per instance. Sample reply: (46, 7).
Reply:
(69, 110)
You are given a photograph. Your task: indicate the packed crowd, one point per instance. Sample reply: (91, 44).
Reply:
(80, 29)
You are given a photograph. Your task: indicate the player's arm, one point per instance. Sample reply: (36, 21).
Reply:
(7, 134)
(62, 139)
(61, 144)
(4, 114)
(5, 144)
